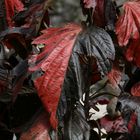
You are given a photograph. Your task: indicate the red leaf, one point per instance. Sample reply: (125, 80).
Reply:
(103, 12)
(99, 13)
(116, 125)
(132, 53)
(59, 44)
(39, 130)
(89, 3)
(128, 24)
(132, 122)
(127, 30)
(11, 6)
(115, 76)
(135, 90)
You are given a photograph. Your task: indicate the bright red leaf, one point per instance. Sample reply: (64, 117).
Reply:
(11, 6)
(59, 43)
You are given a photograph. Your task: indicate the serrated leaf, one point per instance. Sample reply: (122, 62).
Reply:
(127, 30)
(127, 26)
(57, 53)
(100, 46)
(69, 55)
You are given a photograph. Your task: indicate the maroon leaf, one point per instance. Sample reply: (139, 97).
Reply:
(59, 43)
(99, 13)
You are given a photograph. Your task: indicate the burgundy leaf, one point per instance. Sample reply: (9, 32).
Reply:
(99, 13)
(58, 47)
(104, 14)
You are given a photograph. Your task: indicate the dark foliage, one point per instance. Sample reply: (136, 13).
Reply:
(3, 23)
(100, 13)
(31, 20)
(65, 64)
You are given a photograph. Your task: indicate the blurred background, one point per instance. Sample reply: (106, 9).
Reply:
(65, 11)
